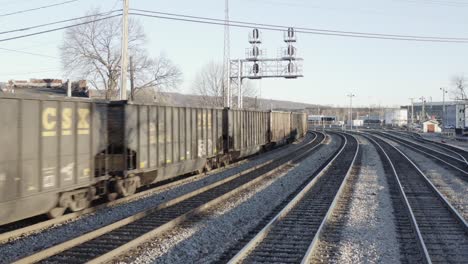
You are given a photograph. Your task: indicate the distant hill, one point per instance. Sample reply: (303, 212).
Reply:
(258, 103)
(174, 99)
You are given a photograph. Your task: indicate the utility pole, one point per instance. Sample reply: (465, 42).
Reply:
(318, 116)
(69, 92)
(351, 109)
(240, 101)
(226, 58)
(132, 79)
(124, 59)
(423, 114)
(444, 91)
(412, 112)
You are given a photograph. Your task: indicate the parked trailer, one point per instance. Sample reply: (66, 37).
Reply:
(49, 155)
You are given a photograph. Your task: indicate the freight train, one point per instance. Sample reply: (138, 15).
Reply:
(59, 155)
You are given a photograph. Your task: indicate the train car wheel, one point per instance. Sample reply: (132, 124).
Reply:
(208, 166)
(112, 196)
(56, 212)
(77, 200)
(128, 186)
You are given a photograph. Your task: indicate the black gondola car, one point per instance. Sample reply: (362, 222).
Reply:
(61, 154)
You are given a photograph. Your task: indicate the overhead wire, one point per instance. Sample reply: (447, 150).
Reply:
(57, 29)
(298, 28)
(54, 23)
(37, 8)
(241, 24)
(29, 53)
(435, 2)
(22, 73)
(57, 22)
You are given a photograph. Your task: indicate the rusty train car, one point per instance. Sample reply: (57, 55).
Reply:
(59, 155)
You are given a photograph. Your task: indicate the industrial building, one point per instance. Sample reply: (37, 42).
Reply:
(455, 114)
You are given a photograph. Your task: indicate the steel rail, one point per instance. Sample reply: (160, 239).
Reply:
(193, 213)
(448, 148)
(243, 253)
(38, 227)
(411, 146)
(461, 159)
(459, 220)
(438, 193)
(414, 224)
(313, 245)
(54, 250)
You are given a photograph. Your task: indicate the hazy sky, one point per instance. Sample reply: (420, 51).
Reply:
(377, 71)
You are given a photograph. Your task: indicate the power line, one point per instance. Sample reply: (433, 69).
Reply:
(435, 2)
(22, 73)
(306, 31)
(271, 27)
(37, 8)
(302, 28)
(57, 29)
(29, 53)
(57, 22)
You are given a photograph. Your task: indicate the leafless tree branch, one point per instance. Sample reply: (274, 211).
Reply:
(92, 52)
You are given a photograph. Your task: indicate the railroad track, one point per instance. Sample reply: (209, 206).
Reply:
(289, 237)
(457, 164)
(330, 235)
(30, 226)
(456, 152)
(110, 241)
(327, 250)
(441, 233)
(231, 252)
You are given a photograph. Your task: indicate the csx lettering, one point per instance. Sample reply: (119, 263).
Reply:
(201, 119)
(66, 121)
(209, 120)
(83, 122)
(83, 115)
(49, 122)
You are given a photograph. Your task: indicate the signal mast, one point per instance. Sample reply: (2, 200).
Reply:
(256, 66)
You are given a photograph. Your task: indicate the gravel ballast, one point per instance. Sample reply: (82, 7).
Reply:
(366, 228)
(446, 181)
(227, 223)
(22, 247)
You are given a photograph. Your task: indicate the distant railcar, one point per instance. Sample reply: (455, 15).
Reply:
(156, 143)
(280, 127)
(246, 132)
(61, 154)
(299, 125)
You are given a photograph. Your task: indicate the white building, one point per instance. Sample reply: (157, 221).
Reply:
(355, 122)
(396, 117)
(431, 126)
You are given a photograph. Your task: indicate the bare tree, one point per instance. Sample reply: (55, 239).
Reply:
(92, 51)
(459, 83)
(209, 85)
(155, 76)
